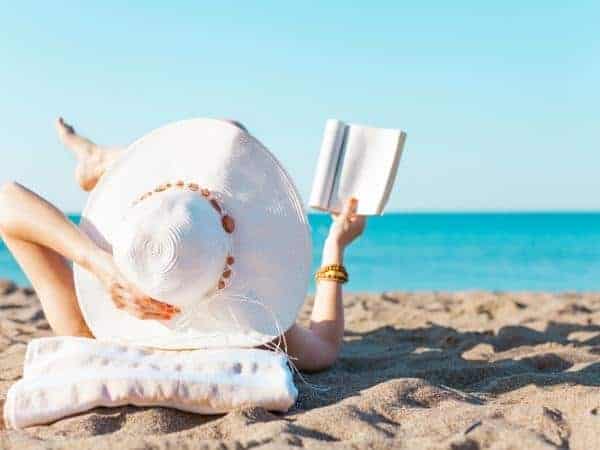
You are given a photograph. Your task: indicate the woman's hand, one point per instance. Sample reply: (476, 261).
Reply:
(126, 296)
(347, 225)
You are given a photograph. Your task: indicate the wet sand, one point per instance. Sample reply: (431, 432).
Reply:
(460, 371)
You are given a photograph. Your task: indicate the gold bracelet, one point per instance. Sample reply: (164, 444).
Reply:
(331, 277)
(332, 272)
(337, 267)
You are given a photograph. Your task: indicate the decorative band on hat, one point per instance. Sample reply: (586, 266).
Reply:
(227, 222)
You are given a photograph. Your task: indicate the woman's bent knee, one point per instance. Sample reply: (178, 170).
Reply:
(9, 188)
(7, 192)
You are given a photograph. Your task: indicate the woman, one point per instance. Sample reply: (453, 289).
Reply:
(43, 241)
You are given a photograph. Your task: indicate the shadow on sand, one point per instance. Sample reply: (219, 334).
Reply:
(455, 360)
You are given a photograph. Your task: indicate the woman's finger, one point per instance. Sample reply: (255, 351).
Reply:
(151, 305)
(145, 304)
(353, 206)
(349, 208)
(163, 305)
(119, 303)
(153, 316)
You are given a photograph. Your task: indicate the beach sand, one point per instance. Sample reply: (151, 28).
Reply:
(461, 371)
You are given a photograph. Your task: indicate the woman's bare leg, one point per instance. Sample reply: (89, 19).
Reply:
(92, 159)
(52, 278)
(49, 272)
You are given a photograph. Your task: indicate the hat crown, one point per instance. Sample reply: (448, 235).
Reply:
(172, 246)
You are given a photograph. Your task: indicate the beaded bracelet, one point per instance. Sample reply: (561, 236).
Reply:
(332, 272)
(332, 276)
(337, 267)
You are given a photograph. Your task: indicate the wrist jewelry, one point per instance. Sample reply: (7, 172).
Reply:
(332, 272)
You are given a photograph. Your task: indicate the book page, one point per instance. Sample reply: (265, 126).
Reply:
(393, 172)
(368, 164)
(327, 164)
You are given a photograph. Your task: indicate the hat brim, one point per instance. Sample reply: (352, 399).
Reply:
(272, 244)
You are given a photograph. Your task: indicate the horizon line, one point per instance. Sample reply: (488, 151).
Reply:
(458, 211)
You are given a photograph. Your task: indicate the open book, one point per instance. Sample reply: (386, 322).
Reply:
(356, 161)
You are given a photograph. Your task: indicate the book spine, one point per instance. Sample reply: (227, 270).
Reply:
(334, 198)
(327, 164)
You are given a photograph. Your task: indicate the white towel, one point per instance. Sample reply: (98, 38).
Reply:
(63, 376)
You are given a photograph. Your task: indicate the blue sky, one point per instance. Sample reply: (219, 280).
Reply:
(500, 101)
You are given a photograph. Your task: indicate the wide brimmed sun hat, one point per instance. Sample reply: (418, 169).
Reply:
(201, 215)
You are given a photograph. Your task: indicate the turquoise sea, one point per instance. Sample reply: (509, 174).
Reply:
(514, 251)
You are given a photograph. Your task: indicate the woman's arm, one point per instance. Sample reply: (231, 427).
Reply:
(317, 347)
(27, 217)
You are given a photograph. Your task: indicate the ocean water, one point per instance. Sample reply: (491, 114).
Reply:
(515, 251)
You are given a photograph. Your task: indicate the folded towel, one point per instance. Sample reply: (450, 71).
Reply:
(63, 376)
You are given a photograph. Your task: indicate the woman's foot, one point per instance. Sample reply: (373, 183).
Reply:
(91, 159)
